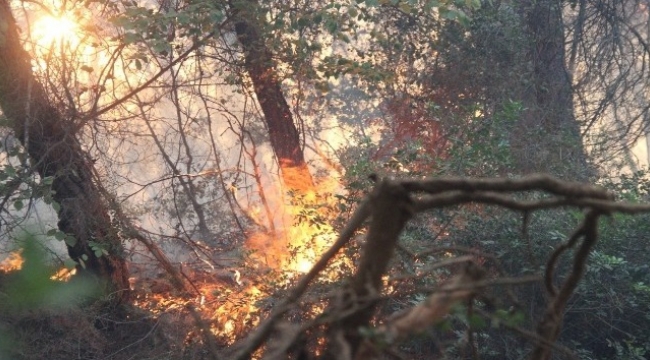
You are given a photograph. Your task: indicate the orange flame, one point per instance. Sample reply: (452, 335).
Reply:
(304, 231)
(12, 263)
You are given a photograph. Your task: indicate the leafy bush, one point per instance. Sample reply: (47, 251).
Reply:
(607, 316)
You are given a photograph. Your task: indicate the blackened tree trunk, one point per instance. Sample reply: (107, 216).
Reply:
(261, 68)
(55, 152)
(548, 136)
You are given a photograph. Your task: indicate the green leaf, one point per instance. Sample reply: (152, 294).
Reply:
(477, 321)
(69, 264)
(70, 240)
(516, 319)
(449, 14)
(18, 205)
(159, 47)
(332, 26)
(444, 326)
(303, 22)
(183, 19)
(322, 86)
(59, 235)
(405, 7)
(131, 38)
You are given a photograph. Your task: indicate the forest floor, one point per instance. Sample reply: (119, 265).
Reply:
(159, 323)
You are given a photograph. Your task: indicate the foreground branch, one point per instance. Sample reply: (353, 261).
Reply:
(390, 205)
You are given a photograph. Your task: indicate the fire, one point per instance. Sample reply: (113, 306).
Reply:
(64, 274)
(229, 310)
(306, 242)
(303, 231)
(13, 262)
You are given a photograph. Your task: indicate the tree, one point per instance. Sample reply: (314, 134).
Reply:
(183, 75)
(608, 56)
(49, 139)
(260, 66)
(548, 137)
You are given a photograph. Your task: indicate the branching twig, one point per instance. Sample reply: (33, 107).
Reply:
(528, 183)
(263, 331)
(438, 305)
(549, 327)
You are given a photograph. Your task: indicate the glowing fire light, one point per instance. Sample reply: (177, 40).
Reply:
(12, 263)
(301, 234)
(302, 230)
(63, 274)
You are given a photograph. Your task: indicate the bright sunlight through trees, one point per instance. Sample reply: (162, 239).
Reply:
(51, 30)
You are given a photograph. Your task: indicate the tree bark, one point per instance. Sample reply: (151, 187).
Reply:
(391, 209)
(283, 133)
(55, 152)
(548, 138)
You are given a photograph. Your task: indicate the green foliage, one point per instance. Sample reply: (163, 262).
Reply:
(630, 349)
(485, 149)
(144, 25)
(608, 313)
(61, 236)
(32, 289)
(19, 187)
(634, 187)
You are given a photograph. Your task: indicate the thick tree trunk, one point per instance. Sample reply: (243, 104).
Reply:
(548, 137)
(283, 133)
(55, 152)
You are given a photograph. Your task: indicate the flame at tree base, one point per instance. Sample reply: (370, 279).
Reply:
(302, 225)
(302, 231)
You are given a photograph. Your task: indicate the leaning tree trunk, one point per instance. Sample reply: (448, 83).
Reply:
(55, 152)
(548, 139)
(261, 68)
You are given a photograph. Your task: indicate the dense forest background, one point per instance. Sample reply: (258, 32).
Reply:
(367, 179)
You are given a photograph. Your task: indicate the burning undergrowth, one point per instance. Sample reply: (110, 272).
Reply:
(230, 301)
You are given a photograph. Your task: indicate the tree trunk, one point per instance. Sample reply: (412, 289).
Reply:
(55, 152)
(548, 139)
(282, 130)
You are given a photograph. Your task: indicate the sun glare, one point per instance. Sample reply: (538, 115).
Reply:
(50, 29)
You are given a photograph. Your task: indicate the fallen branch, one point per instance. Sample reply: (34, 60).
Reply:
(436, 307)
